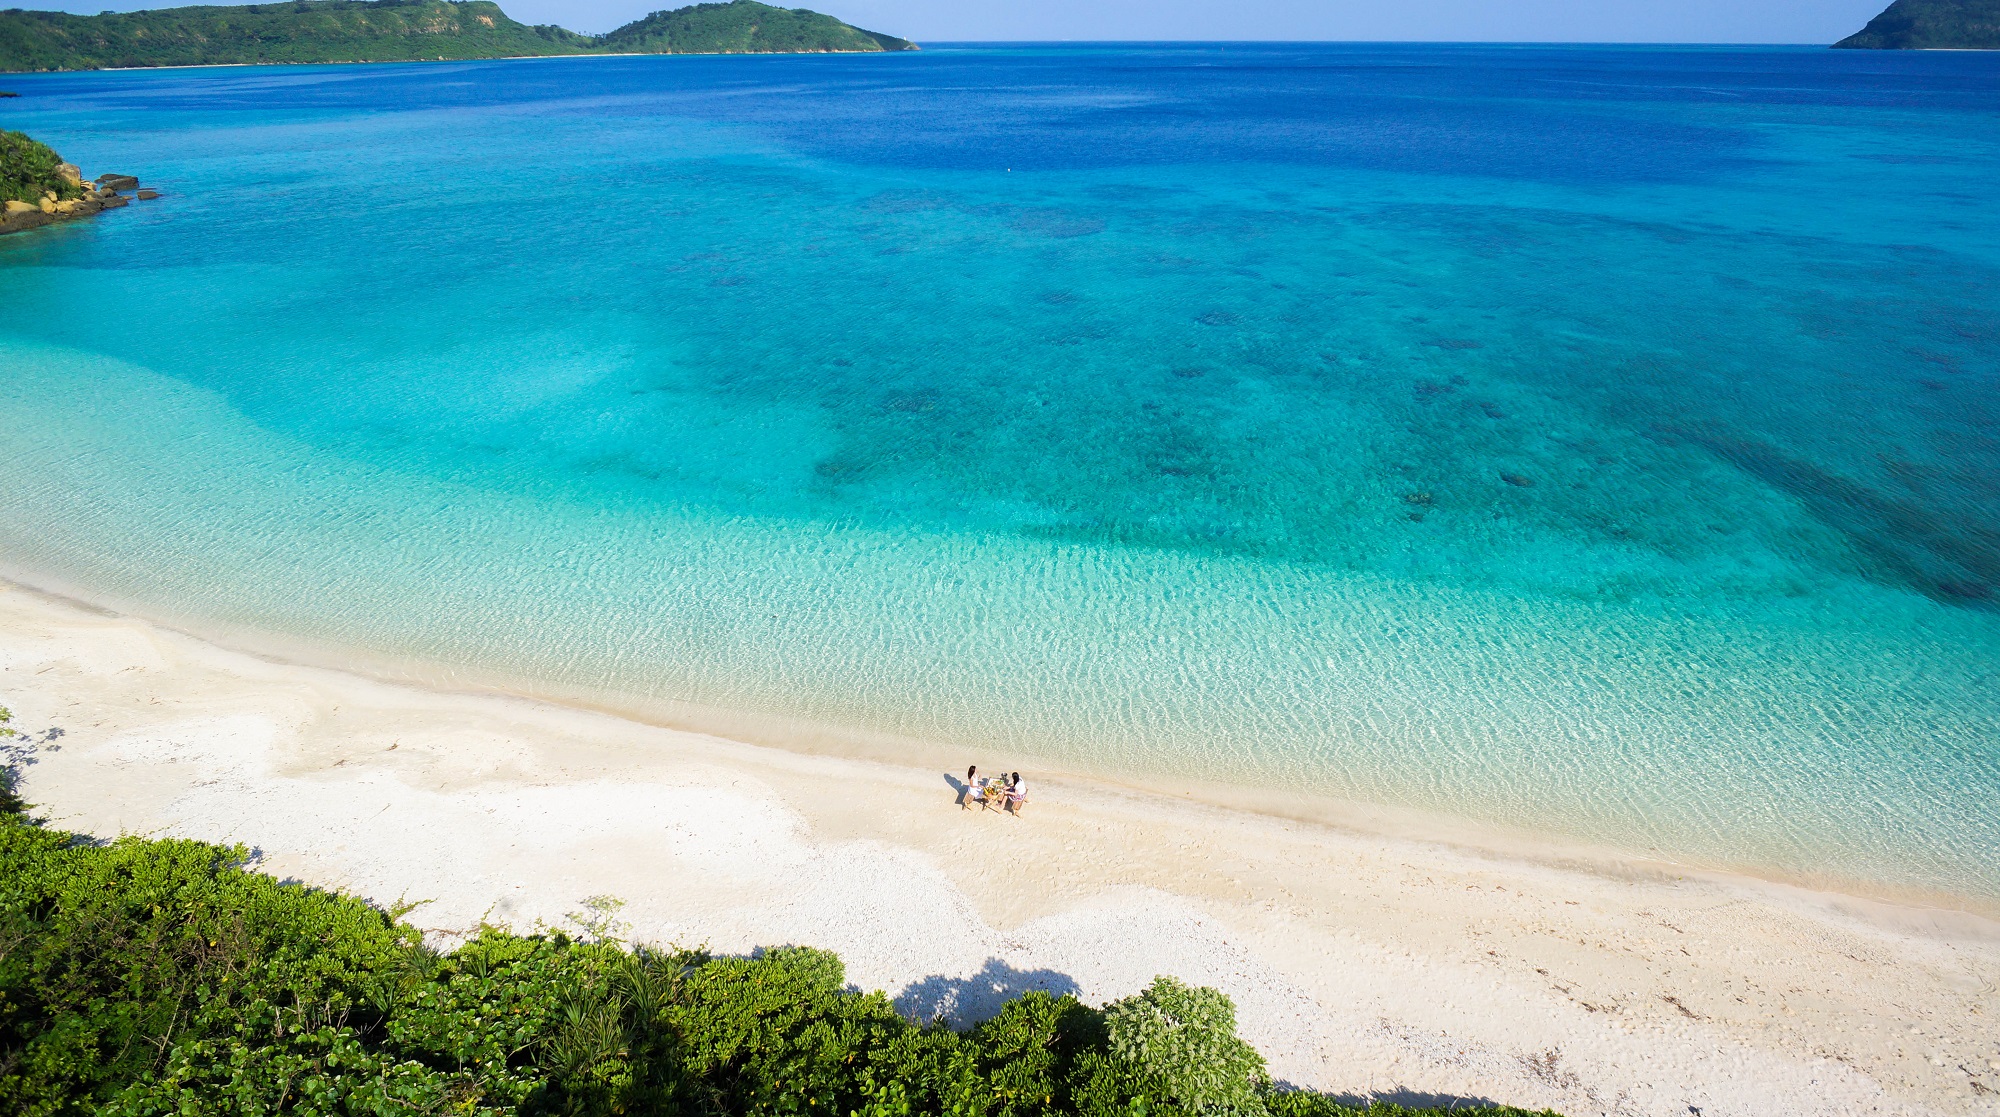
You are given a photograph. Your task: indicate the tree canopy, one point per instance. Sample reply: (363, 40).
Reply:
(399, 31)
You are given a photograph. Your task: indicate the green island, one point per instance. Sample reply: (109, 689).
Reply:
(1931, 25)
(314, 31)
(163, 977)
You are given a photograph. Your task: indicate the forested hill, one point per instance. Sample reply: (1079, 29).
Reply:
(1931, 25)
(399, 31)
(314, 31)
(742, 27)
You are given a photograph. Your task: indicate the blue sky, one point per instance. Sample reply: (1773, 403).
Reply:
(1646, 21)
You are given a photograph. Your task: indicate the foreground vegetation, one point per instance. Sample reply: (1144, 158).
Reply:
(29, 170)
(398, 31)
(1931, 25)
(160, 977)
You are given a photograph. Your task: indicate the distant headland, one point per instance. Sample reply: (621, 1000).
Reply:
(1931, 25)
(37, 187)
(312, 31)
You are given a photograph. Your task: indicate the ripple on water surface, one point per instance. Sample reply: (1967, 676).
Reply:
(1532, 435)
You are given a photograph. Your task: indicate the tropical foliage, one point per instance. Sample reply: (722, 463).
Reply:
(28, 170)
(397, 31)
(161, 977)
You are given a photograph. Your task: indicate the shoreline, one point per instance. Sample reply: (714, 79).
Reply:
(1366, 963)
(447, 61)
(1472, 835)
(915, 47)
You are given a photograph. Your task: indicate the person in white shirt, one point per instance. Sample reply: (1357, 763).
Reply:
(1017, 793)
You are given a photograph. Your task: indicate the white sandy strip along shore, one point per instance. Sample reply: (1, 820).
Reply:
(1360, 964)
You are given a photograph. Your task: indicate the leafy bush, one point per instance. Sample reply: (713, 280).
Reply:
(28, 169)
(10, 803)
(142, 978)
(1177, 1044)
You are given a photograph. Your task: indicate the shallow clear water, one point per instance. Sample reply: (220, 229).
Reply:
(1605, 441)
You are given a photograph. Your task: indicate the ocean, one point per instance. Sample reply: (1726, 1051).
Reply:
(1598, 442)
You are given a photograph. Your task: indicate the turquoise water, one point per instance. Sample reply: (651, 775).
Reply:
(1603, 441)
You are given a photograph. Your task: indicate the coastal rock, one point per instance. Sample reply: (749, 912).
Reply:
(95, 197)
(17, 220)
(46, 188)
(148, 195)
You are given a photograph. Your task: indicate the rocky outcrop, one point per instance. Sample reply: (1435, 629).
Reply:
(91, 198)
(20, 216)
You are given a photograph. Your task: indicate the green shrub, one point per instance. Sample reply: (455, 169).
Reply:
(10, 802)
(1028, 1054)
(1176, 1045)
(162, 977)
(28, 169)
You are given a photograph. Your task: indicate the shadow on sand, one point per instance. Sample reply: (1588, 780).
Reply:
(1409, 1099)
(962, 1001)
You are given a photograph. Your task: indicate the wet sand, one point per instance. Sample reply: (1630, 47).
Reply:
(1362, 962)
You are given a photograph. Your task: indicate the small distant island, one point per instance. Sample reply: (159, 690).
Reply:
(1931, 25)
(316, 31)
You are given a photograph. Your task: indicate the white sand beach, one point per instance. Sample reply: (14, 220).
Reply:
(1363, 964)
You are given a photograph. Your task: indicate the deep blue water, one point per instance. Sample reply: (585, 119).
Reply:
(1590, 439)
